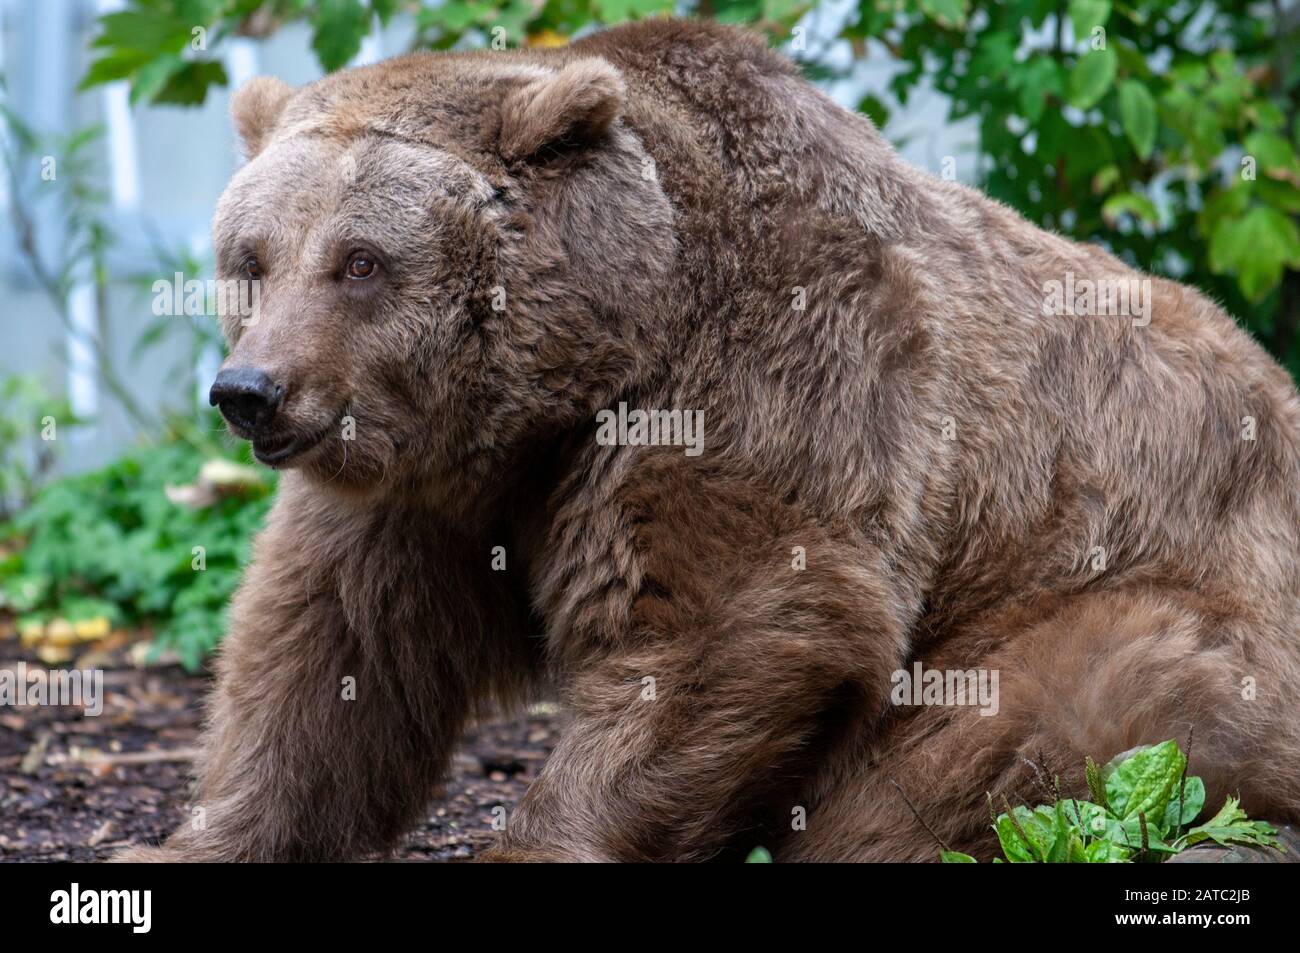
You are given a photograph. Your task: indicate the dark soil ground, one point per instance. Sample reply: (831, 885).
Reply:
(74, 788)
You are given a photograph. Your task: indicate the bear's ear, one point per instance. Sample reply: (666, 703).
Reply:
(256, 108)
(574, 106)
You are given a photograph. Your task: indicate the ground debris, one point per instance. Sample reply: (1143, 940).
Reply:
(74, 788)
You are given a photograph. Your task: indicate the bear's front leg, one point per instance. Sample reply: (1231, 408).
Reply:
(725, 640)
(360, 640)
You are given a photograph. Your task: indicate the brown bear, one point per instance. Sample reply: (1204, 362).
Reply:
(929, 434)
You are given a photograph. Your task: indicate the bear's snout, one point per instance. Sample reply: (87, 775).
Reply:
(248, 398)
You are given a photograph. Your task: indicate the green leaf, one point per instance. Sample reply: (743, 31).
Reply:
(1271, 152)
(384, 9)
(116, 65)
(1106, 852)
(1231, 826)
(956, 857)
(875, 110)
(1129, 203)
(1193, 800)
(152, 30)
(1225, 203)
(1034, 81)
(1259, 246)
(1092, 77)
(152, 78)
(1137, 112)
(1037, 836)
(949, 13)
(339, 27)
(1017, 844)
(1144, 780)
(1087, 14)
(1105, 180)
(188, 85)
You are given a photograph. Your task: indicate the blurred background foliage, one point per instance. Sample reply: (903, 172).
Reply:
(1166, 130)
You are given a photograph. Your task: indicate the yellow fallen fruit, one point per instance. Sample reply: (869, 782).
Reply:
(60, 632)
(31, 632)
(91, 630)
(53, 654)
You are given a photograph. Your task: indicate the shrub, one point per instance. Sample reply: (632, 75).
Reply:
(1142, 808)
(116, 544)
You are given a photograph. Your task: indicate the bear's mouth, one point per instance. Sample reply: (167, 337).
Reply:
(276, 450)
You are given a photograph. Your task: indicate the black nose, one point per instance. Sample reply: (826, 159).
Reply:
(248, 398)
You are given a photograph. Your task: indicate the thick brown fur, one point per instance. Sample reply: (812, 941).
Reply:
(633, 218)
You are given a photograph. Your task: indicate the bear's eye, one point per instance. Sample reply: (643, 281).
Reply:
(252, 268)
(361, 267)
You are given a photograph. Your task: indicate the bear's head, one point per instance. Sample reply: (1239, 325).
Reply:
(455, 256)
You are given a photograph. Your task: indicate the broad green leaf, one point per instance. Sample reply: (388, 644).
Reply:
(188, 86)
(119, 64)
(1223, 63)
(384, 9)
(1225, 203)
(1137, 112)
(1092, 77)
(875, 110)
(1271, 152)
(1282, 194)
(1037, 836)
(1034, 80)
(152, 30)
(1266, 115)
(1258, 246)
(1106, 852)
(1193, 797)
(1087, 14)
(1144, 780)
(951, 13)
(1018, 844)
(1193, 73)
(151, 79)
(1129, 203)
(1076, 852)
(339, 26)
(956, 857)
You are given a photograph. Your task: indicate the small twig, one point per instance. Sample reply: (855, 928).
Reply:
(1182, 782)
(35, 756)
(126, 757)
(1029, 844)
(917, 814)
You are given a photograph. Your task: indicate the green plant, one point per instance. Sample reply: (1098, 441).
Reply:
(114, 544)
(30, 421)
(61, 171)
(1166, 130)
(1142, 805)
